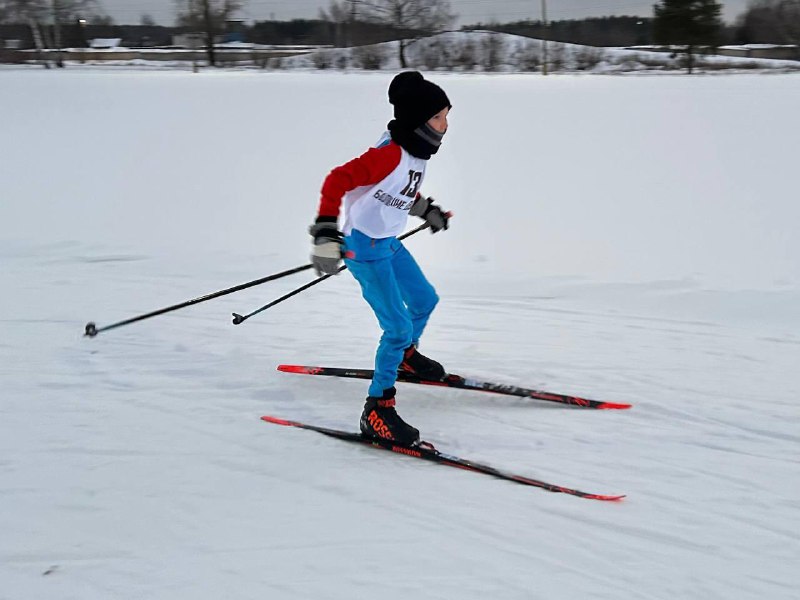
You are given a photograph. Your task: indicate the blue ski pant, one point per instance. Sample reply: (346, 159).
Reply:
(398, 293)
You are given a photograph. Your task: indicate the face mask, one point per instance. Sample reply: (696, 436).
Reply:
(430, 135)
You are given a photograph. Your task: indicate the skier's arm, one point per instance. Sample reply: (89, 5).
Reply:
(369, 168)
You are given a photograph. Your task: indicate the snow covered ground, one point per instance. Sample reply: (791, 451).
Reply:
(628, 239)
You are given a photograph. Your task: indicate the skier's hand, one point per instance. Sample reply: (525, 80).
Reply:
(425, 208)
(326, 252)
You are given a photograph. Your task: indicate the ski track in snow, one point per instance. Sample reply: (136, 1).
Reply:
(134, 465)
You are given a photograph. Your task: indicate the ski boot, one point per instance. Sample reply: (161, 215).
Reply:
(421, 366)
(380, 420)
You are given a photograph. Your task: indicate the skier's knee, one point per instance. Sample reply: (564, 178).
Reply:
(425, 306)
(434, 300)
(399, 335)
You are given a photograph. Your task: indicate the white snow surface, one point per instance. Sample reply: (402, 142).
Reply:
(626, 239)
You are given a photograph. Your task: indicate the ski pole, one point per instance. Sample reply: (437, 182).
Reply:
(92, 329)
(238, 319)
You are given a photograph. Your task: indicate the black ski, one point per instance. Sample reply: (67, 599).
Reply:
(456, 381)
(426, 451)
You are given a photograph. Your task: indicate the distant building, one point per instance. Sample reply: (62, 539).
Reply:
(104, 43)
(235, 31)
(15, 37)
(192, 40)
(776, 51)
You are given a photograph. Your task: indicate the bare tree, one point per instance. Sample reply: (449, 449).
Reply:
(338, 12)
(209, 16)
(32, 12)
(20, 11)
(341, 15)
(67, 11)
(101, 19)
(421, 16)
(38, 14)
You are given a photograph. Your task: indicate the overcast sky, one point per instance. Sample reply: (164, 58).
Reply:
(469, 11)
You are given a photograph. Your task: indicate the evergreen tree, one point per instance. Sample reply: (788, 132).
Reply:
(688, 23)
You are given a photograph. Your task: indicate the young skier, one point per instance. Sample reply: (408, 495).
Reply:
(380, 189)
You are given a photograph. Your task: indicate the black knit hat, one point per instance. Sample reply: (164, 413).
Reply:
(415, 99)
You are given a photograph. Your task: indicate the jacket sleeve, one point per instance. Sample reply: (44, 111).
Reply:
(368, 169)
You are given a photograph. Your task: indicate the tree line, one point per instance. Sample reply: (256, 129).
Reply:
(770, 22)
(688, 23)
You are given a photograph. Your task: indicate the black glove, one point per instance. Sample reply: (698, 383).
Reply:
(425, 208)
(326, 253)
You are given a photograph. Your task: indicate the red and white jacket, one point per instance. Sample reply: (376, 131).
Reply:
(378, 189)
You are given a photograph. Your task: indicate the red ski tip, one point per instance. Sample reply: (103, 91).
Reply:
(298, 369)
(277, 421)
(613, 405)
(605, 498)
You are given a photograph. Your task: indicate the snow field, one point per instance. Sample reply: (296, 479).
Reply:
(629, 239)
